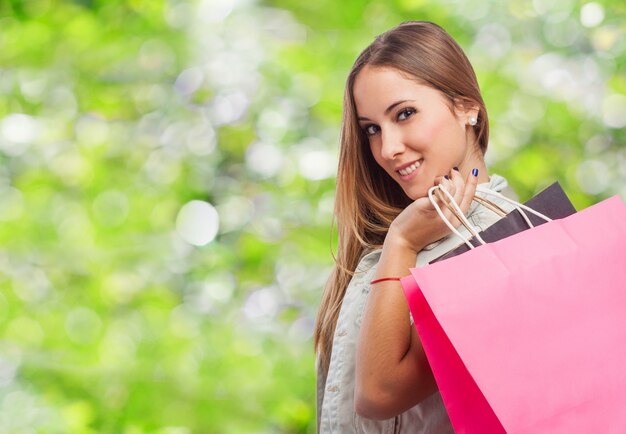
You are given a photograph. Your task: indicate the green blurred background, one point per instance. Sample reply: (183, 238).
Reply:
(167, 182)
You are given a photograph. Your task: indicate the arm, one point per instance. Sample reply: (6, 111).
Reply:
(392, 372)
(391, 369)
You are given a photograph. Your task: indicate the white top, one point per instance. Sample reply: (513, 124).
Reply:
(335, 393)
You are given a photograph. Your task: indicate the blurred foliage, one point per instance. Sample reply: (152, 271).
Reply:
(124, 306)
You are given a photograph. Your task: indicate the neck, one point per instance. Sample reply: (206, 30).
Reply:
(474, 158)
(474, 161)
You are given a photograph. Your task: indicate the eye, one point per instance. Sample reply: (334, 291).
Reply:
(405, 113)
(370, 129)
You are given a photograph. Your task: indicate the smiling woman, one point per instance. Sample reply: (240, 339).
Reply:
(416, 139)
(413, 118)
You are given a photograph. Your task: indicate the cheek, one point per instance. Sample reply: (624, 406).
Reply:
(441, 131)
(432, 129)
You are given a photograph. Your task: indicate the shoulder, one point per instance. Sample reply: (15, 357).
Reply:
(492, 191)
(368, 261)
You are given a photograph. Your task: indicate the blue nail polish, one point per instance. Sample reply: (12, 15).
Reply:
(446, 176)
(475, 172)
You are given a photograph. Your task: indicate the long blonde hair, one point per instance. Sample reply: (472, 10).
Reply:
(367, 199)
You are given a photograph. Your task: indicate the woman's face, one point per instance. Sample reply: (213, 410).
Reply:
(413, 135)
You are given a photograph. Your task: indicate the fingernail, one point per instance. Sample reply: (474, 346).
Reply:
(456, 168)
(475, 172)
(446, 176)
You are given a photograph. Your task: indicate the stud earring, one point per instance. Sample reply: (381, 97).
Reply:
(473, 121)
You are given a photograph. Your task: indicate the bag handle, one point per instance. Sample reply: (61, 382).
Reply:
(493, 207)
(519, 206)
(456, 210)
(460, 216)
(490, 205)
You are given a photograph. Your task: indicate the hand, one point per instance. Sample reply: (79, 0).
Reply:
(419, 224)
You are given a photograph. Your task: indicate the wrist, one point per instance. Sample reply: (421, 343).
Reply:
(397, 242)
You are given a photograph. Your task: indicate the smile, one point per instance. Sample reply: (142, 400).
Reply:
(409, 169)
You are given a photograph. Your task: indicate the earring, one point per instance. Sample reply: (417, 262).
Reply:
(473, 121)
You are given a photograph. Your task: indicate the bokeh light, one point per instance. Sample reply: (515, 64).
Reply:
(197, 222)
(591, 14)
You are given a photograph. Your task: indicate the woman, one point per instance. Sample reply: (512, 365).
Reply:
(413, 118)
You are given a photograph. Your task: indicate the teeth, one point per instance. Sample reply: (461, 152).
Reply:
(410, 169)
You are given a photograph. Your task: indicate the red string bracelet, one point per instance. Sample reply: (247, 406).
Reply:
(383, 279)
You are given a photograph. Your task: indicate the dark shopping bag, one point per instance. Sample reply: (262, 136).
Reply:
(552, 202)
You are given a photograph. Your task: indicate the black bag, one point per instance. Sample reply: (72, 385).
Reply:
(552, 202)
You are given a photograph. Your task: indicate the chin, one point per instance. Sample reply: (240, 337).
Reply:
(415, 194)
(419, 188)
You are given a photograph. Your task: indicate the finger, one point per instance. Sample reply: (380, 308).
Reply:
(440, 198)
(445, 183)
(459, 184)
(444, 203)
(455, 186)
(449, 185)
(470, 190)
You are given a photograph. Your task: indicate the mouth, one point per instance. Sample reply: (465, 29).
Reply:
(407, 170)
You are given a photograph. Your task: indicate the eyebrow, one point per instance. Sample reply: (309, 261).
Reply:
(363, 118)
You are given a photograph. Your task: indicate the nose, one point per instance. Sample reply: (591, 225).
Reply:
(392, 143)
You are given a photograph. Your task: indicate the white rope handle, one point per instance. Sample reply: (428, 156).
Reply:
(517, 205)
(461, 216)
(520, 207)
(480, 200)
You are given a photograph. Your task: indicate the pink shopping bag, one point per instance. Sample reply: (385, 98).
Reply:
(528, 334)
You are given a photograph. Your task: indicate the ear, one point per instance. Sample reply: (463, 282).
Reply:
(464, 109)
